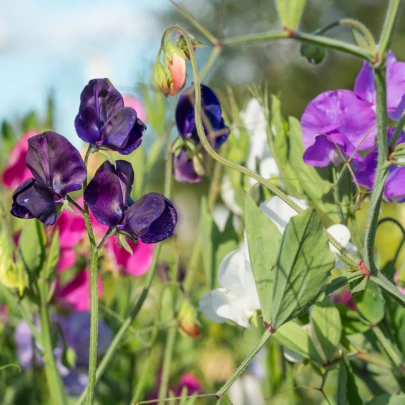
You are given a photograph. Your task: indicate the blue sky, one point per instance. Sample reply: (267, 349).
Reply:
(62, 44)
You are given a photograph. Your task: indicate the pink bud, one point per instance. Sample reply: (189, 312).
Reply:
(177, 68)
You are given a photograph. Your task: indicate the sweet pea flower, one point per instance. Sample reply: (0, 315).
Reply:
(151, 219)
(183, 165)
(347, 119)
(16, 171)
(75, 328)
(394, 190)
(178, 73)
(104, 121)
(136, 264)
(237, 299)
(54, 177)
(75, 294)
(247, 390)
(189, 382)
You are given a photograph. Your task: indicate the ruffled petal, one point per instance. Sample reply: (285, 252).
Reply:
(33, 199)
(54, 161)
(104, 195)
(340, 111)
(152, 218)
(115, 132)
(364, 86)
(395, 87)
(280, 212)
(134, 139)
(98, 102)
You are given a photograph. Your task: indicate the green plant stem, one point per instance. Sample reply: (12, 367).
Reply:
(381, 171)
(326, 42)
(53, 379)
(361, 28)
(246, 361)
(148, 282)
(388, 287)
(205, 143)
(216, 51)
(398, 130)
(388, 29)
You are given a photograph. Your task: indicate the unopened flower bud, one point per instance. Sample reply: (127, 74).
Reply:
(177, 68)
(182, 44)
(68, 357)
(161, 79)
(188, 323)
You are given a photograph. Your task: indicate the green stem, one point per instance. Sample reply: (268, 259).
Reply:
(388, 287)
(311, 38)
(398, 130)
(363, 29)
(53, 379)
(388, 29)
(246, 361)
(381, 171)
(216, 51)
(206, 144)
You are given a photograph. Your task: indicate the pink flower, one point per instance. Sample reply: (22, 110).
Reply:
(345, 298)
(191, 382)
(135, 265)
(16, 171)
(75, 294)
(136, 104)
(178, 72)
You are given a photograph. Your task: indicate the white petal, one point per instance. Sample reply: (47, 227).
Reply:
(268, 168)
(246, 390)
(279, 211)
(209, 305)
(229, 197)
(292, 356)
(231, 274)
(341, 233)
(220, 214)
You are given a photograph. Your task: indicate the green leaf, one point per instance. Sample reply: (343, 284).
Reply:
(124, 243)
(371, 304)
(318, 189)
(30, 122)
(347, 393)
(314, 54)
(7, 132)
(362, 41)
(264, 240)
(108, 156)
(31, 245)
(290, 12)
(302, 267)
(279, 138)
(293, 337)
(387, 399)
(53, 254)
(326, 329)
(351, 321)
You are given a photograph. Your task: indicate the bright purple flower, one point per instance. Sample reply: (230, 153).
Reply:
(75, 328)
(365, 86)
(190, 382)
(185, 120)
(151, 219)
(337, 118)
(16, 171)
(136, 264)
(395, 185)
(58, 169)
(103, 120)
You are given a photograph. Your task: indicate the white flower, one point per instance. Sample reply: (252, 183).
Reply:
(237, 300)
(228, 196)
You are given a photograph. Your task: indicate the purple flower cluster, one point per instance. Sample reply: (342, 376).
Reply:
(214, 127)
(341, 125)
(58, 169)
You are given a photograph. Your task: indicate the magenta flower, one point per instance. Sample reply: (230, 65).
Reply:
(151, 219)
(54, 177)
(395, 184)
(346, 120)
(136, 104)
(16, 171)
(189, 381)
(104, 121)
(183, 164)
(75, 294)
(136, 264)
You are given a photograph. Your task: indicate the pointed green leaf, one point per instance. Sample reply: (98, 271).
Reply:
(326, 329)
(31, 245)
(318, 189)
(30, 122)
(279, 132)
(290, 12)
(352, 321)
(302, 267)
(371, 304)
(52, 257)
(124, 243)
(387, 399)
(263, 241)
(293, 337)
(347, 393)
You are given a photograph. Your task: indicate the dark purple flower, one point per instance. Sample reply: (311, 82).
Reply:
(347, 119)
(75, 328)
(58, 169)
(217, 131)
(151, 219)
(103, 120)
(395, 184)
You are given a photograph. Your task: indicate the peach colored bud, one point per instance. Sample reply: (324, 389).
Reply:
(161, 79)
(177, 68)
